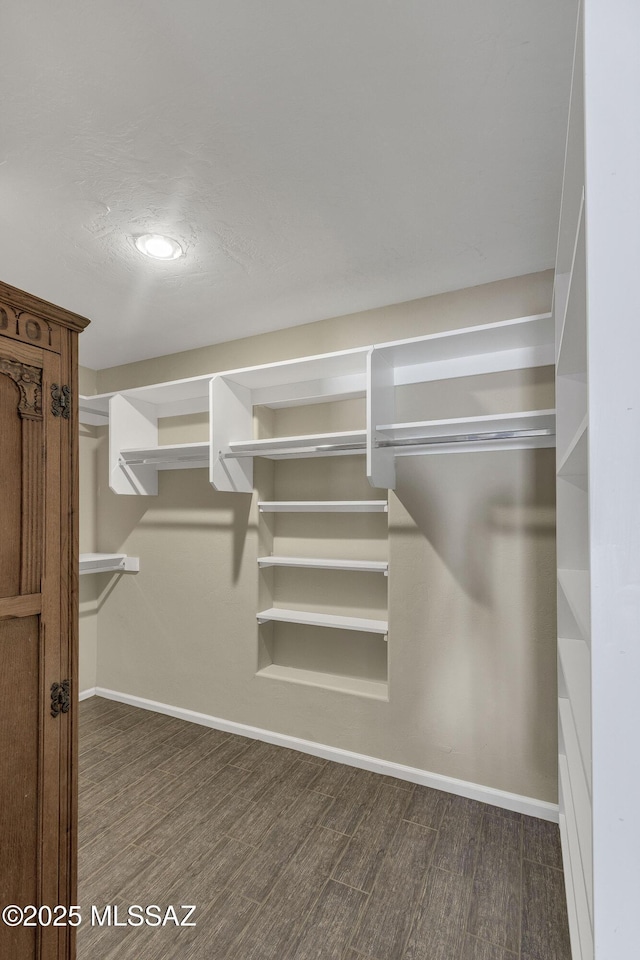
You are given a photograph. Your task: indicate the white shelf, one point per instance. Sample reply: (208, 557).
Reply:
(575, 662)
(486, 348)
(108, 563)
(581, 928)
(175, 456)
(581, 799)
(314, 379)
(574, 464)
(170, 399)
(311, 618)
(575, 586)
(461, 429)
(323, 506)
(377, 689)
(366, 566)
(310, 445)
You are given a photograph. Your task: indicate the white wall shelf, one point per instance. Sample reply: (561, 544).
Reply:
(377, 689)
(310, 445)
(468, 351)
(530, 429)
(365, 566)
(175, 456)
(575, 663)
(108, 563)
(323, 506)
(314, 619)
(372, 372)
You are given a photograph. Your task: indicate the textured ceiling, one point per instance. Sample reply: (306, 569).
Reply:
(315, 157)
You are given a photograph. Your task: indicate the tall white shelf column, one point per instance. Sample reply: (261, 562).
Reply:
(597, 304)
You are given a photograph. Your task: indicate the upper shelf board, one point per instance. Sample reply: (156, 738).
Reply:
(171, 399)
(486, 348)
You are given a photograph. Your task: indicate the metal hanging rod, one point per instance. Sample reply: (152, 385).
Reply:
(404, 442)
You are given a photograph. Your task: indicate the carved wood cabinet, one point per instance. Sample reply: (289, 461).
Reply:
(38, 617)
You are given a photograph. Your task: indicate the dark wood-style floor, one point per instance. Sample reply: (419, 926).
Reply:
(288, 857)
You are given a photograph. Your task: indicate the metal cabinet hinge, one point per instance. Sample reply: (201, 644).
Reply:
(60, 697)
(61, 401)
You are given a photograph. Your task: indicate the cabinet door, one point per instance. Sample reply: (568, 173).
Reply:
(32, 709)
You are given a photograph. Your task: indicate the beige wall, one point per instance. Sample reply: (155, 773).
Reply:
(471, 650)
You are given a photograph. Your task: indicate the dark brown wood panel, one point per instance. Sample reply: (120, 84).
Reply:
(10, 487)
(38, 615)
(19, 762)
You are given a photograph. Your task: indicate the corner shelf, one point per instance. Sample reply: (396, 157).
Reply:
(366, 566)
(108, 563)
(323, 506)
(314, 619)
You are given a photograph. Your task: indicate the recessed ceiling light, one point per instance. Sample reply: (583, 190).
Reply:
(159, 247)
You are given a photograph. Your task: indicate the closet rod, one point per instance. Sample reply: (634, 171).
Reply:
(404, 442)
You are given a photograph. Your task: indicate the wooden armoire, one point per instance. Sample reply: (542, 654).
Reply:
(38, 617)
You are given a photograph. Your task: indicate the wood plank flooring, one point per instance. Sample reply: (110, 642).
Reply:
(288, 857)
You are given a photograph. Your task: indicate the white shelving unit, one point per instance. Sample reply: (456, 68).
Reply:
(372, 372)
(487, 348)
(291, 670)
(574, 596)
(597, 303)
(314, 619)
(108, 563)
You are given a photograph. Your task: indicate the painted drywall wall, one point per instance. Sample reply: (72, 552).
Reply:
(471, 653)
(88, 526)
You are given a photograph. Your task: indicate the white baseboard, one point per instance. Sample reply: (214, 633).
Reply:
(85, 694)
(462, 788)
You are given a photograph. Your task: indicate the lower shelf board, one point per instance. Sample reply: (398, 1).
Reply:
(366, 566)
(376, 689)
(311, 618)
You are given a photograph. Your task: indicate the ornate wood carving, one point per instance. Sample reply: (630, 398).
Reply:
(60, 697)
(29, 382)
(61, 401)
